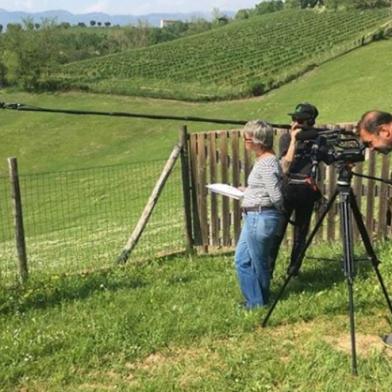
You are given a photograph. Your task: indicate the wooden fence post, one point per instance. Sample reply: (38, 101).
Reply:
(152, 201)
(214, 219)
(202, 190)
(193, 162)
(186, 189)
(357, 188)
(225, 221)
(18, 219)
(369, 219)
(383, 201)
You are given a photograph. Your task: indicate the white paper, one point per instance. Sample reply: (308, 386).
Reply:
(226, 190)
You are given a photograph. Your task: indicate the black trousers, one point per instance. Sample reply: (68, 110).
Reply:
(298, 199)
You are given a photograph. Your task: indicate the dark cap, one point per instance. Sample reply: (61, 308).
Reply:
(304, 111)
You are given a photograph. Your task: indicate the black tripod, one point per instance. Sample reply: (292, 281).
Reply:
(346, 201)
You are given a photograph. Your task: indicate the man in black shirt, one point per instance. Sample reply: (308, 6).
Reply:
(299, 190)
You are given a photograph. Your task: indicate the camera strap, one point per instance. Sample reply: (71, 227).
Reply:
(304, 180)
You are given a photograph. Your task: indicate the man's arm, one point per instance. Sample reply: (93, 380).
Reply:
(288, 158)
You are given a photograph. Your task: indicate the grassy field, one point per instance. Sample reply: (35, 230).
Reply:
(342, 90)
(242, 59)
(175, 324)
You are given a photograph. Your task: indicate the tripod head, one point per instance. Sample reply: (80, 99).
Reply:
(345, 174)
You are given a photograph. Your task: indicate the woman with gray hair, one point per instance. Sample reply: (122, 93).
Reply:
(261, 211)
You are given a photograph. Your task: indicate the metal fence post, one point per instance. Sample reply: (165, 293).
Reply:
(18, 219)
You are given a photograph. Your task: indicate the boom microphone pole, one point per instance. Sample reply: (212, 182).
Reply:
(30, 108)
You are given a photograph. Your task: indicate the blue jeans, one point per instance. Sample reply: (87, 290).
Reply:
(252, 256)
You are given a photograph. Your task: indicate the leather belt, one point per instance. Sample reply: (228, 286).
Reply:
(245, 210)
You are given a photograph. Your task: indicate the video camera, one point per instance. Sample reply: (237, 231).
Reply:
(337, 145)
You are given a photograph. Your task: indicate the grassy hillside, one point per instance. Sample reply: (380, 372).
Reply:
(342, 89)
(244, 58)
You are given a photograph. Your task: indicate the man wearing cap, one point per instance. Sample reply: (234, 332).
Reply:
(300, 190)
(375, 130)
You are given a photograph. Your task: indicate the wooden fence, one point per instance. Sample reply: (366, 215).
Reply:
(220, 156)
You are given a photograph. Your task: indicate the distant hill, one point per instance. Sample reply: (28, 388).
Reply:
(241, 59)
(122, 20)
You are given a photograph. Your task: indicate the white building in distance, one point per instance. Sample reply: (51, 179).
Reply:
(167, 22)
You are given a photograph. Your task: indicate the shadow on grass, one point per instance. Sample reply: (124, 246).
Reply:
(54, 290)
(50, 291)
(323, 274)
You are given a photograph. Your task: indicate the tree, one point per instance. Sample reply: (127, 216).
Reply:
(15, 26)
(107, 24)
(303, 3)
(266, 7)
(216, 14)
(1, 28)
(28, 54)
(99, 24)
(332, 4)
(141, 34)
(364, 4)
(198, 25)
(92, 23)
(242, 14)
(65, 25)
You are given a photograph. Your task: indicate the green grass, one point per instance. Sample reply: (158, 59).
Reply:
(174, 324)
(244, 58)
(342, 89)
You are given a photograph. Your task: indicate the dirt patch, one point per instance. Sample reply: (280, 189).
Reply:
(156, 361)
(97, 387)
(366, 345)
(192, 364)
(298, 329)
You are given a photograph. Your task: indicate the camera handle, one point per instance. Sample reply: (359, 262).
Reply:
(347, 201)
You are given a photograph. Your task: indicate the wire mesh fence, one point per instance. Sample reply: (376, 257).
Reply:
(80, 220)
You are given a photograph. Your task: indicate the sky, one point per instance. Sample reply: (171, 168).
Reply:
(125, 7)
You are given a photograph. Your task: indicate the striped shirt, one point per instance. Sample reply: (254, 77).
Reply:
(264, 184)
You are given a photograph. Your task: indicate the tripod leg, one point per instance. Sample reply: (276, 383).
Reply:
(299, 259)
(348, 262)
(369, 248)
(271, 309)
(352, 327)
